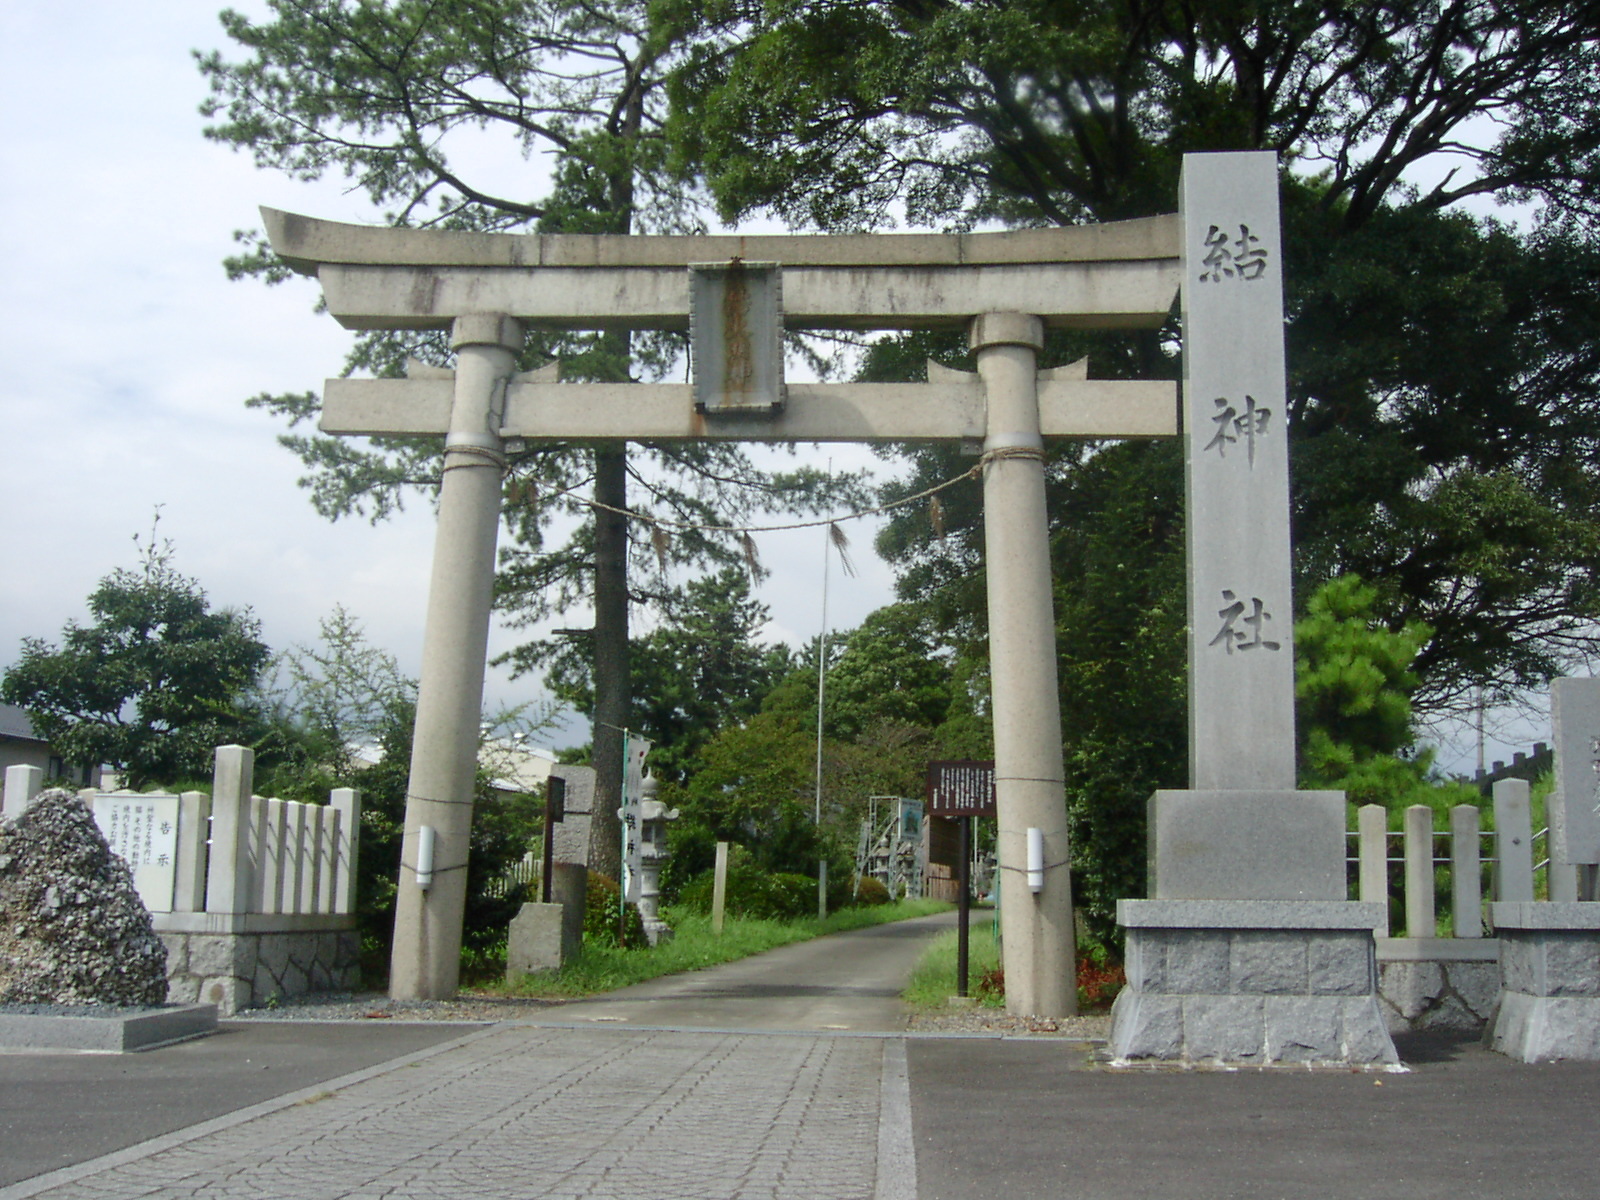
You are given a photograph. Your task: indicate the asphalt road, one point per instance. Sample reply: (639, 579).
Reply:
(847, 982)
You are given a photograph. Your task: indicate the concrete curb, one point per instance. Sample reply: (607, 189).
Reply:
(115, 1033)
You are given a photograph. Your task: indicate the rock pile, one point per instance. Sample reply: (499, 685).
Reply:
(72, 928)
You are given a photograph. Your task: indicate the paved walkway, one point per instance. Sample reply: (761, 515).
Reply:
(613, 1109)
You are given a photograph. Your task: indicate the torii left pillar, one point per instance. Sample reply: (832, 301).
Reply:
(1036, 914)
(426, 960)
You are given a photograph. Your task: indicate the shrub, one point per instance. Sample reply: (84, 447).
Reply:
(600, 904)
(755, 893)
(870, 892)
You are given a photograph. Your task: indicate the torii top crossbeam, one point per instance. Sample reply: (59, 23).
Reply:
(1122, 275)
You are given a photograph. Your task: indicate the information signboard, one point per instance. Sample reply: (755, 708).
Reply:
(961, 788)
(143, 831)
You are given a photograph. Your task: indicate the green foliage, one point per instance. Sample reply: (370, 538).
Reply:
(152, 685)
(754, 893)
(933, 979)
(833, 114)
(869, 892)
(1353, 685)
(700, 670)
(604, 917)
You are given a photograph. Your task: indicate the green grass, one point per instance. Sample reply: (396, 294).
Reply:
(693, 946)
(933, 980)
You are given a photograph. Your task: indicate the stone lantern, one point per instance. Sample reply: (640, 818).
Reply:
(653, 854)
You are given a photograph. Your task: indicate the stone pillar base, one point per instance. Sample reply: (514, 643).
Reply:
(538, 940)
(1250, 983)
(1549, 981)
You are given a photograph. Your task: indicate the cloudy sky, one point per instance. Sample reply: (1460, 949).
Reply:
(128, 356)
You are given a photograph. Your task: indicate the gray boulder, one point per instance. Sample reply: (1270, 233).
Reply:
(72, 928)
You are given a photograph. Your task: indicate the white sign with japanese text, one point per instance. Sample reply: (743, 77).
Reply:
(143, 831)
(634, 751)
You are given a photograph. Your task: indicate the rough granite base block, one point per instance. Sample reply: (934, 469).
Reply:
(1438, 984)
(1250, 983)
(1549, 981)
(534, 941)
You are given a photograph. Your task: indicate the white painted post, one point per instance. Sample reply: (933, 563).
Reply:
(719, 887)
(328, 858)
(229, 871)
(348, 803)
(1372, 837)
(310, 858)
(23, 783)
(294, 859)
(269, 866)
(1419, 872)
(1466, 865)
(1038, 937)
(1513, 841)
(426, 961)
(194, 838)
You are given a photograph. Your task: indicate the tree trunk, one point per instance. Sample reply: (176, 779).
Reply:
(611, 679)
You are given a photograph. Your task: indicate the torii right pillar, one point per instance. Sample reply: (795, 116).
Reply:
(1247, 950)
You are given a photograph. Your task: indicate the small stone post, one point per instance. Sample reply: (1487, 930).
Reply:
(23, 783)
(1466, 872)
(1513, 841)
(1039, 949)
(719, 887)
(194, 827)
(230, 873)
(1372, 828)
(1420, 919)
(425, 964)
(347, 802)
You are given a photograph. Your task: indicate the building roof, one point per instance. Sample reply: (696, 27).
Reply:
(14, 723)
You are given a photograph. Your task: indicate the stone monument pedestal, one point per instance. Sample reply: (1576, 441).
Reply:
(1549, 980)
(538, 940)
(1250, 982)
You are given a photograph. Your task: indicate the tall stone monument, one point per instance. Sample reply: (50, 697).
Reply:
(1247, 949)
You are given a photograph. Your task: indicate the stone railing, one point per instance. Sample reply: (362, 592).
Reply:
(1439, 965)
(253, 897)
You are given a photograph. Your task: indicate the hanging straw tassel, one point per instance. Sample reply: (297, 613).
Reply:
(936, 516)
(659, 543)
(842, 544)
(751, 558)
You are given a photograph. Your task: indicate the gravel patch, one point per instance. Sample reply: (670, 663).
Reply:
(997, 1022)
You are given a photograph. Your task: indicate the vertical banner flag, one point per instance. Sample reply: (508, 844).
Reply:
(634, 751)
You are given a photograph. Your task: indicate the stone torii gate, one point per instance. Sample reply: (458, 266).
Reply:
(1004, 289)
